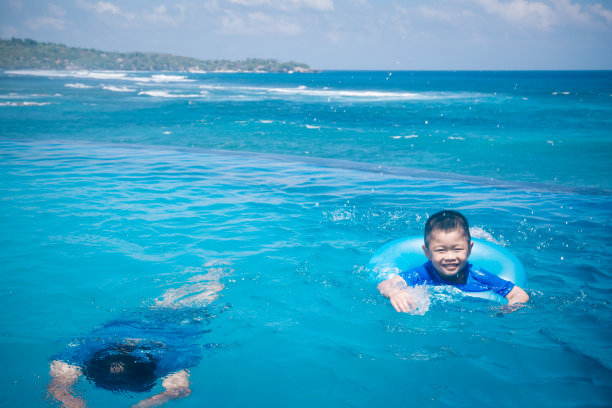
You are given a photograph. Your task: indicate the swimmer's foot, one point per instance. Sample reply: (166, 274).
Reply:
(176, 386)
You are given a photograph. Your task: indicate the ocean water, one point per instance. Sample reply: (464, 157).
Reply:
(120, 192)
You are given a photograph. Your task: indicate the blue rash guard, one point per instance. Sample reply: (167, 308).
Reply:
(477, 279)
(168, 336)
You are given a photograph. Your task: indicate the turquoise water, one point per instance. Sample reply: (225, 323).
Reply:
(551, 127)
(114, 200)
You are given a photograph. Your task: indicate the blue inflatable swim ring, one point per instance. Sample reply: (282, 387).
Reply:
(405, 253)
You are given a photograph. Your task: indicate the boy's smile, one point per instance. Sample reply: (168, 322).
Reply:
(448, 252)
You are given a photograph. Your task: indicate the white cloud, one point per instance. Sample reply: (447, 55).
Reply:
(573, 12)
(8, 31)
(54, 19)
(444, 15)
(522, 12)
(435, 13)
(44, 22)
(546, 13)
(258, 23)
(400, 21)
(211, 6)
(319, 5)
(160, 14)
(602, 12)
(16, 4)
(103, 7)
(56, 10)
(250, 3)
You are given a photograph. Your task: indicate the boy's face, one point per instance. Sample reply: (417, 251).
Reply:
(448, 252)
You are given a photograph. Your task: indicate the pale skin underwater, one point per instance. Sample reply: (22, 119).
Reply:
(176, 385)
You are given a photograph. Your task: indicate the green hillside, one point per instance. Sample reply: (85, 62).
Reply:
(29, 54)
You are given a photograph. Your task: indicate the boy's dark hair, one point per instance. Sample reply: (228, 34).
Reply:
(447, 220)
(136, 373)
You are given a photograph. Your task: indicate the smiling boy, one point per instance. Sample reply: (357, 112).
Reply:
(447, 246)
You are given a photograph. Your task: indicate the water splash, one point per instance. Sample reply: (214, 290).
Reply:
(477, 232)
(421, 298)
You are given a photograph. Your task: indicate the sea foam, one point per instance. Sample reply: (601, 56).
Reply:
(78, 86)
(168, 94)
(117, 88)
(338, 94)
(105, 75)
(25, 103)
(161, 78)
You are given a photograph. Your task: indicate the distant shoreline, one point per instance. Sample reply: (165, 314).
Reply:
(27, 54)
(31, 71)
(23, 71)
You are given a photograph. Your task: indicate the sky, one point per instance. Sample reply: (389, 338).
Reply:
(333, 34)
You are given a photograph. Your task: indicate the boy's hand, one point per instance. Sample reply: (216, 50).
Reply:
(395, 289)
(402, 302)
(517, 296)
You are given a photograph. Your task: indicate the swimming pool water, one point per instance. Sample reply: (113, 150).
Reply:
(91, 231)
(93, 228)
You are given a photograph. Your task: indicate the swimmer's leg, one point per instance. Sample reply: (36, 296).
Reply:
(201, 290)
(176, 386)
(63, 377)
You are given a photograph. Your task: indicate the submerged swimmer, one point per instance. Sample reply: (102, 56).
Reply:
(447, 246)
(133, 353)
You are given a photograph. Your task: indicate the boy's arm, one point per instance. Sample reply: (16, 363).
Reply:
(395, 289)
(517, 295)
(176, 386)
(63, 376)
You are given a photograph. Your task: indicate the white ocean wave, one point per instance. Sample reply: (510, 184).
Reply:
(14, 95)
(117, 88)
(104, 75)
(246, 91)
(24, 103)
(78, 85)
(45, 73)
(330, 94)
(405, 137)
(70, 74)
(168, 78)
(168, 94)
(215, 87)
(326, 93)
(323, 93)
